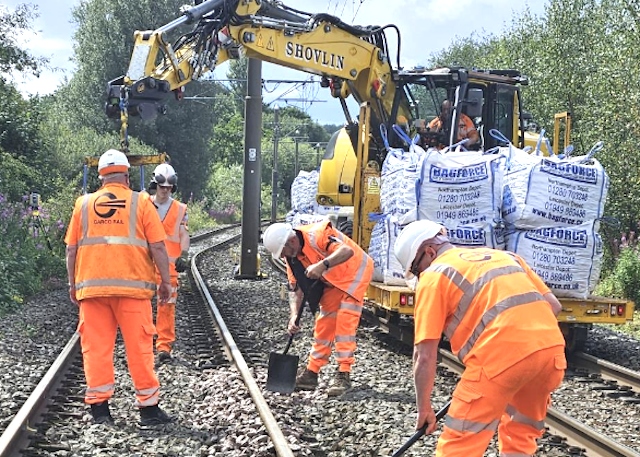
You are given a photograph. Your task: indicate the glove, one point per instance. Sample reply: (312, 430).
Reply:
(183, 262)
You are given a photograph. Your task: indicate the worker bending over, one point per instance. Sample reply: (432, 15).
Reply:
(500, 319)
(346, 270)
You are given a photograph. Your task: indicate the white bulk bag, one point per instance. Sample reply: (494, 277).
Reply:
(566, 258)
(400, 171)
(461, 188)
(303, 191)
(548, 191)
(386, 268)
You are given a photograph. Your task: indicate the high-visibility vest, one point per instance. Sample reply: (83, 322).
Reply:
(494, 310)
(113, 256)
(171, 223)
(352, 276)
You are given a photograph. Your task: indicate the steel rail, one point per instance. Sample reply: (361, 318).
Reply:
(18, 428)
(280, 443)
(607, 370)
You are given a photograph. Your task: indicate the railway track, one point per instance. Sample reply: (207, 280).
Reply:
(563, 431)
(58, 397)
(372, 421)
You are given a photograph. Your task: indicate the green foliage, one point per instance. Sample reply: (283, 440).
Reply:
(199, 218)
(28, 257)
(12, 57)
(624, 280)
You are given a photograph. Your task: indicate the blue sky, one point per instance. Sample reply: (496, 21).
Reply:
(426, 27)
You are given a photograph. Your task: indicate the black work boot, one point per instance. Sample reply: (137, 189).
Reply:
(153, 415)
(308, 380)
(163, 357)
(340, 384)
(101, 413)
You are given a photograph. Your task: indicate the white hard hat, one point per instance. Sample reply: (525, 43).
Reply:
(112, 161)
(165, 175)
(410, 239)
(276, 236)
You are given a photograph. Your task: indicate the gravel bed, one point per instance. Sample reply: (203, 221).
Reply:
(214, 414)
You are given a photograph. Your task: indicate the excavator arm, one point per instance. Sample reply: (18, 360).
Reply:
(352, 60)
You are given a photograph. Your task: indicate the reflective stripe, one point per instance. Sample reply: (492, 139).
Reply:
(359, 274)
(470, 290)
(314, 244)
(116, 283)
(344, 354)
(84, 217)
(323, 343)
(493, 312)
(101, 389)
(319, 355)
(332, 314)
(465, 425)
(517, 416)
(153, 393)
(351, 307)
(174, 235)
(113, 240)
(345, 338)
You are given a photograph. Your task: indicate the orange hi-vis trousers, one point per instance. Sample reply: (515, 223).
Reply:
(514, 402)
(100, 318)
(336, 325)
(166, 320)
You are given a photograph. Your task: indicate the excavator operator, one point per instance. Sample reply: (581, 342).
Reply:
(438, 130)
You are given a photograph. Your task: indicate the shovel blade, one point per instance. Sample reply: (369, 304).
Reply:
(281, 376)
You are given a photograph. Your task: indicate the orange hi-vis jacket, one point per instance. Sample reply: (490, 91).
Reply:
(112, 229)
(320, 240)
(171, 223)
(489, 304)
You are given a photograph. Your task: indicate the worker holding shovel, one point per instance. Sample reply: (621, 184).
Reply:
(320, 251)
(499, 317)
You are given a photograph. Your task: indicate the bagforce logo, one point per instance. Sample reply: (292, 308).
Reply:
(560, 236)
(317, 56)
(107, 204)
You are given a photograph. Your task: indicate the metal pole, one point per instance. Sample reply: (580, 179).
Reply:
(295, 167)
(274, 171)
(249, 267)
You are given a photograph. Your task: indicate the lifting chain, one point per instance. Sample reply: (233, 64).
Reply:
(124, 119)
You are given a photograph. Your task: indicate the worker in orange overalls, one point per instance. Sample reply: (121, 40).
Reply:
(346, 270)
(114, 238)
(439, 129)
(500, 319)
(173, 215)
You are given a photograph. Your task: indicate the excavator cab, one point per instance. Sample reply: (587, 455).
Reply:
(337, 171)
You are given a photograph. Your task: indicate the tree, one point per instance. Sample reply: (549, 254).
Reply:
(12, 57)
(104, 43)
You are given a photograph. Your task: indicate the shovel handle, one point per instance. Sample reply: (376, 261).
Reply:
(421, 431)
(298, 317)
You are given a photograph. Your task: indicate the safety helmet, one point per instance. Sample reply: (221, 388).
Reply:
(113, 161)
(164, 175)
(276, 236)
(410, 239)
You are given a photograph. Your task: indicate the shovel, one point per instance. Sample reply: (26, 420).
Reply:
(417, 435)
(281, 375)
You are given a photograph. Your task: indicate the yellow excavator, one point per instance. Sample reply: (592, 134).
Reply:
(353, 61)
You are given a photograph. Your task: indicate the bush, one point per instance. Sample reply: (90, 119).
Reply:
(30, 252)
(199, 218)
(624, 280)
